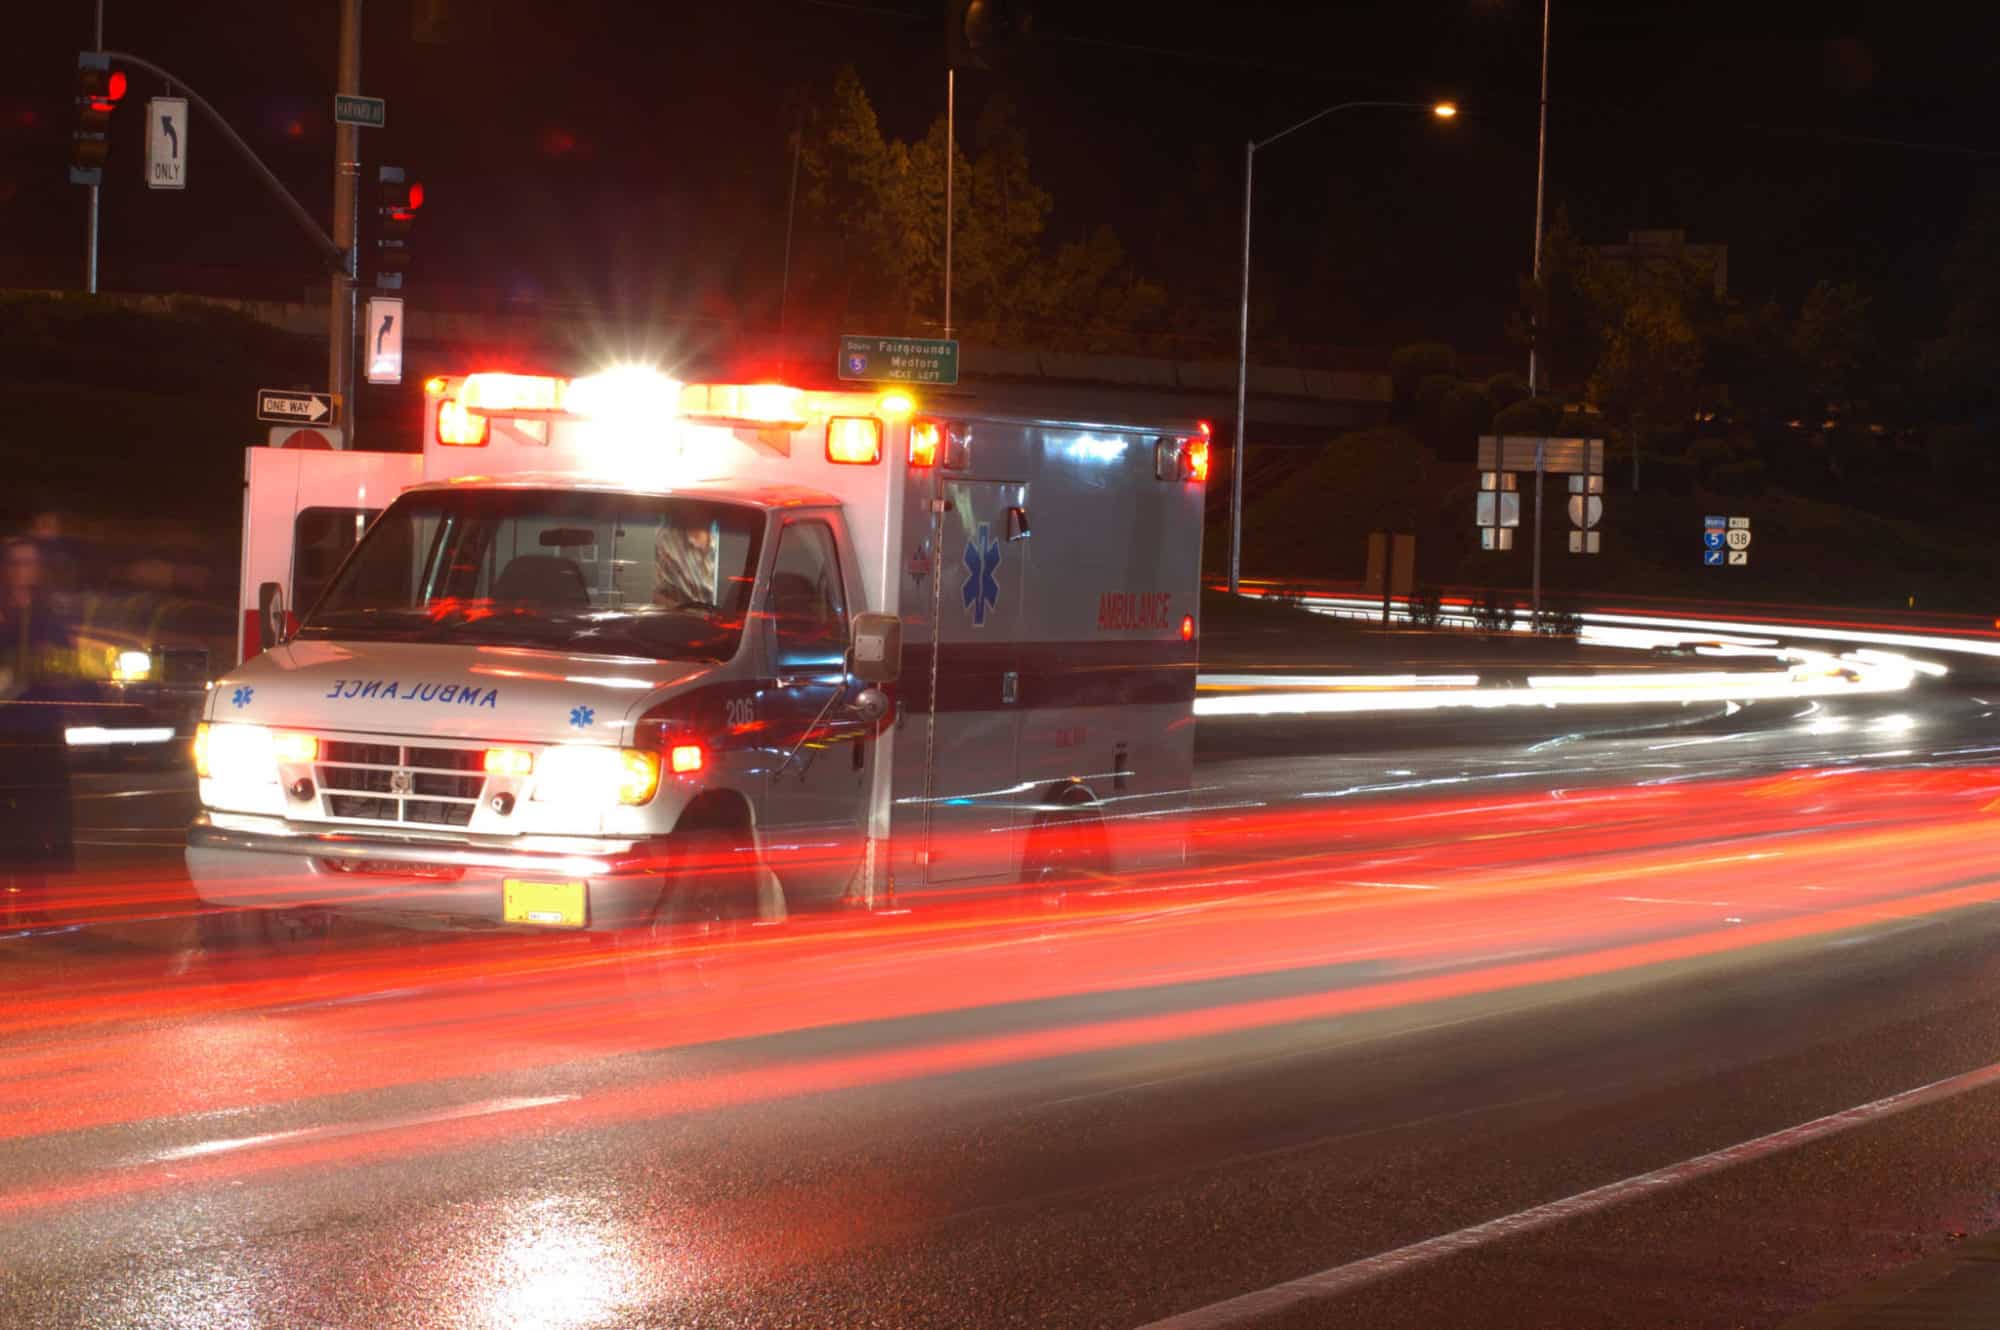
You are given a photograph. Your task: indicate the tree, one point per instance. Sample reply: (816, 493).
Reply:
(1831, 341)
(1649, 371)
(877, 206)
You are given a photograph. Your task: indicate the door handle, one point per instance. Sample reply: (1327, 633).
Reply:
(1010, 687)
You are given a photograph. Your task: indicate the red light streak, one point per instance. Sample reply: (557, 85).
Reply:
(1561, 887)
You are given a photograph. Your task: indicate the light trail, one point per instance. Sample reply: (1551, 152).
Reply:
(1554, 888)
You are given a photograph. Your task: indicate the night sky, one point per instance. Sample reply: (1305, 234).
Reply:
(637, 154)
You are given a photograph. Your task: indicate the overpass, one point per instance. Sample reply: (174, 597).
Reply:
(1287, 404)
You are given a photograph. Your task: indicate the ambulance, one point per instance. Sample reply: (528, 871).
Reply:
(619, 649)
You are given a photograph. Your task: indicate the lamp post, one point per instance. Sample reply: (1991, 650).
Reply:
(1442, 111)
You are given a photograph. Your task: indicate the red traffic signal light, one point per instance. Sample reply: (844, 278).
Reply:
(99, 88)
(397, 201)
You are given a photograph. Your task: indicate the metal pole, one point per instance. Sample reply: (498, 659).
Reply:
(90, 227)
(1541, 449)
(346, 230)
(950, 153)
(1541, 157)
(791, 205)
(1242, 383)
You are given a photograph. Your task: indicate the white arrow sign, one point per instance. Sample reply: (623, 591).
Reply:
(382, 334)
(166, 143)
(280, 405)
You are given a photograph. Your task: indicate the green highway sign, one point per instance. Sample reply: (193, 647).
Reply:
(898, 359)
(371, 112)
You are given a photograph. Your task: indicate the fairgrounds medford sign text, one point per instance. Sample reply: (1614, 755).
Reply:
(898, 359)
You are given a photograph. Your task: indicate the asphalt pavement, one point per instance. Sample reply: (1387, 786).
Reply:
(1678, 1018)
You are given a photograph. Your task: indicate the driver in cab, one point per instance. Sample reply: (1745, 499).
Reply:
(685, 565)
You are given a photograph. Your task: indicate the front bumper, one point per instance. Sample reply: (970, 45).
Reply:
(451, 882)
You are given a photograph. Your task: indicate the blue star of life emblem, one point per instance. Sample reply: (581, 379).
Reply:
(241, 697)
(982, 561)
(581, 716)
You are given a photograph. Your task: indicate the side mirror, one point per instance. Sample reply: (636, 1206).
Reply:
(271, 614)
(875, 654)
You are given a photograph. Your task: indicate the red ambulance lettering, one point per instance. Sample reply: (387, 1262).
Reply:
(1134, 611)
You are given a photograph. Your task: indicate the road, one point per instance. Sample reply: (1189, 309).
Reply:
(1451, 1013)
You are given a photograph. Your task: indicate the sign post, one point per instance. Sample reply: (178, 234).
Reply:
(166, 143)
(1501, 457)
(898, 359)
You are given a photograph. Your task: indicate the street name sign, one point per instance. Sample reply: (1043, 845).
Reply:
(898, 359)
(294, 406)
(166, 143)
(369, 112)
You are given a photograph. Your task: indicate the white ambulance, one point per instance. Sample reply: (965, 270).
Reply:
(619, 649)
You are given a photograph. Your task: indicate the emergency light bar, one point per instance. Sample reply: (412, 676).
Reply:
(745, 403)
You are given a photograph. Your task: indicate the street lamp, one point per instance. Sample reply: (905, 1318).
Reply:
(1439, 110)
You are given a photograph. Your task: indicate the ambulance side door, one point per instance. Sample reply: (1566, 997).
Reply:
(815, 801)
(303, 510)
(972, 808)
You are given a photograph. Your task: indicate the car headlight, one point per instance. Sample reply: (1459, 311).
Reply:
(131, 666)
(596, 777)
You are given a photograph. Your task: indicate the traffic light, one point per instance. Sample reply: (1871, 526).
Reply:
(985, 34)
(98, 88)
(397, 201)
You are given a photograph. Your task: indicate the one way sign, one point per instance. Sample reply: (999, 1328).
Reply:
(289, 406)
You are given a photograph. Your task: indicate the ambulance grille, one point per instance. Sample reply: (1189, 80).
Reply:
(410, 784)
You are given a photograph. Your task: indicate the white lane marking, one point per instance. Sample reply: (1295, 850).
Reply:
(203, 1149)
(1345, 1278)
(1665, 900)
(148, 793)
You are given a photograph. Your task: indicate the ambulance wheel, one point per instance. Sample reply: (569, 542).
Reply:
(707, 904)
(1066, 849)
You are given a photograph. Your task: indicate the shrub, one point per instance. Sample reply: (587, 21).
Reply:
(1493, 615)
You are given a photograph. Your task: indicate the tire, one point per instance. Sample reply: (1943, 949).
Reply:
(1066, 852)
(706, 910)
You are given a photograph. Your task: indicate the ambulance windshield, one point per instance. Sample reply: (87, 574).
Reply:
(619, 573)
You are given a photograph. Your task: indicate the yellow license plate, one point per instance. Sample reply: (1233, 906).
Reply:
(551, 904)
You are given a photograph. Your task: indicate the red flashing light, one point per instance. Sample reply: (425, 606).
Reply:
(686, 759)
(1187, 628)
(1194, 460)
(926, 438)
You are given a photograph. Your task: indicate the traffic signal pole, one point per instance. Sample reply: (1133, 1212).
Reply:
(346, 228)
(90, 228)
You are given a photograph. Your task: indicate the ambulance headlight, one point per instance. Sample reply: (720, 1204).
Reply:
(235, 754)
(596, 778)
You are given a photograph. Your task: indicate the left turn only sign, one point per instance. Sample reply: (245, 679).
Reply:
(166, 143)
